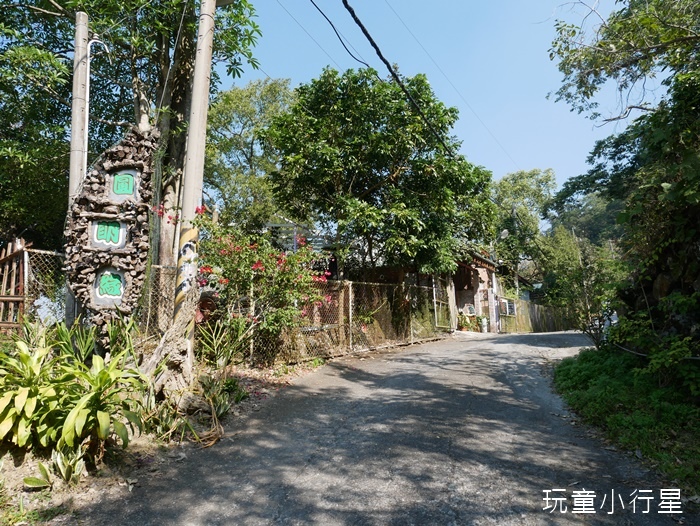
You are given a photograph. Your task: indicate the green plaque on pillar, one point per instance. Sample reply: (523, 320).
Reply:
(123, 184)
(108, 232)
(110, 285)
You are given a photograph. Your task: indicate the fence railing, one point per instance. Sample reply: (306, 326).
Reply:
(356, 317)
(31, 283)
(12, 284)
(353, 316)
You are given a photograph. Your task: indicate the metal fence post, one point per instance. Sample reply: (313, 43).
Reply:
(350, 309)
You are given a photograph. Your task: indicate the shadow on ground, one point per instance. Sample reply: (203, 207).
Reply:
(454, 432)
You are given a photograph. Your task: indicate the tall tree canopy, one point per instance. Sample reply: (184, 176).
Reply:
(653, 166)
(238, 163)
(641, 39)
(144, 79)
(357, 157)
(522, 198)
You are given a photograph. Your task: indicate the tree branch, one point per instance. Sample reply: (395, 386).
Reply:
(627, 112)
(34, 8)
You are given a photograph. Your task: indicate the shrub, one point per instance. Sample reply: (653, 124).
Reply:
(617, 391)
(51, 397)
(259, 289)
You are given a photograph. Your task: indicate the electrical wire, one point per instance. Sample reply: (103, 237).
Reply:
(308, 34)
(396, 78)
(453, 86)
(413, 102)
(339, 36)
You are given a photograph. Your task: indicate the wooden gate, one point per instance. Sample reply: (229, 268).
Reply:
(13, 269)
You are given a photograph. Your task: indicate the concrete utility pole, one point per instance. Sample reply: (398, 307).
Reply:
(79, 103)
(194, 161)
(78, 134)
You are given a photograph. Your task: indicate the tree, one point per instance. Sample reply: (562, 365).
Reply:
(358, 158)
(653, 165)
(591, 216)
(522, 198)
(33, 194)
(143, 80)
(580, 279)
(642, 39)
(238, 163)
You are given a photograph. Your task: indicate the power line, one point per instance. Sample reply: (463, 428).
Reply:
(396, 78)
(338, 35)
(309, 34)
(453, 86)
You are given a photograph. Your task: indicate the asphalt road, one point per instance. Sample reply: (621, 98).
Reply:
(462, 431)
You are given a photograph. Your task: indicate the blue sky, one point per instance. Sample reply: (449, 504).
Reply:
(490, 59)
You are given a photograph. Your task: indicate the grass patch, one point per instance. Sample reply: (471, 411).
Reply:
(609, 389)
(17, 513)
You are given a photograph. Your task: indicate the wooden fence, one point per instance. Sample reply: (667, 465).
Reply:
(531, 317)
(32, 283)
(13, 269)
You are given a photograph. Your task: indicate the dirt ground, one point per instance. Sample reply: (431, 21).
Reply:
(122, 468)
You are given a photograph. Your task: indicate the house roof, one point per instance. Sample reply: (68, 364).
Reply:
(479, 260)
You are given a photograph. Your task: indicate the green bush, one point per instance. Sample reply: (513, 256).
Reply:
(260, 291)
(51, 397)
(668, 335)
(34, 395)
(617, 392)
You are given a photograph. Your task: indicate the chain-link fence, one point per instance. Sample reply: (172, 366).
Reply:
(351, 317)
(155, 312)
(45, 289)
(355, 317)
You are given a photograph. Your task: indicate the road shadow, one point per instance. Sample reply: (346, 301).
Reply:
(445, 433)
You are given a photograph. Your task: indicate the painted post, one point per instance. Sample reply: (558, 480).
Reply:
(194, 161)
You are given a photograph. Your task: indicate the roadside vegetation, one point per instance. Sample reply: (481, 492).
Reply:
(640, 203)
(347, 155)
(655, 420)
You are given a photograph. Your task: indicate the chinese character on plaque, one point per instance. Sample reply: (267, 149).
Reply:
(108, 232)
(123, 184)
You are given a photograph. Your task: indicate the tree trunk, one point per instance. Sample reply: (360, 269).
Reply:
(176, 97)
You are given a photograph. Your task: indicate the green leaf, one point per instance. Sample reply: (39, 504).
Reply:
(23, 347)
(24, 432)
(44, 472)
(7, 423)
(34, 482)
(103, 420)
(6, 400)
(30, 406)
(20, 398)
(68, 433)
(133, 418)
(121, 431)
(80, 420)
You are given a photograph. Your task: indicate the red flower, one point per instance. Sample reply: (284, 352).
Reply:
(223, 252)
(159, 210)
(258, 266)
(206, 269)
(223, 281)
(200, 210)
